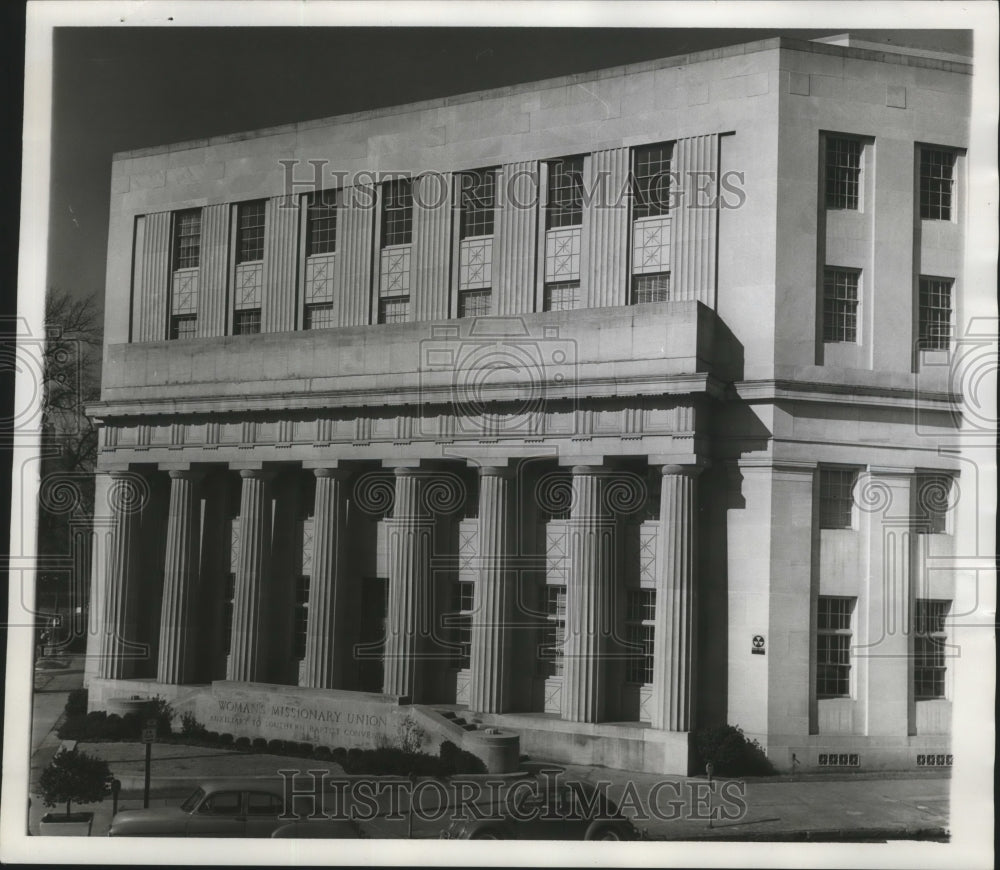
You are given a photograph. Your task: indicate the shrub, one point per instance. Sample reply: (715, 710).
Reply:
(73, 775)
(259, 744)
(730, 752)
(322, 753)
(225, 739)
(455, 760)
(339, 754)
(242, 743)
(76, 703)
(191, 727)
(275, 747)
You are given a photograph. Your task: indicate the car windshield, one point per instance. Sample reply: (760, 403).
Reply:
(193, 800)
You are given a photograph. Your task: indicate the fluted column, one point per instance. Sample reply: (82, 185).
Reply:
(489, 691)
(323, 667)
(410, 530)
(127, 497)
(247, 654)
(676, 601)
(588, 593)
(180, 579)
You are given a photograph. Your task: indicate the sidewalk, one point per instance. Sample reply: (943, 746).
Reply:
(815, 807)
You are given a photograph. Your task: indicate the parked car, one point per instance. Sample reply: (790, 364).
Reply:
(564, 811)
(216, 808)
(326, 829)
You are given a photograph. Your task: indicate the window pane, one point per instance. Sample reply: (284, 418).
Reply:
(319, 316)
(935, 313)
(565, 203)
(836, 498)
(937, 169)
(478, 202)
(840, 305)
(843, 171)
(322, 221)
(246, 322)
(562, 295)
(396, 310)
(183, 326)
(475, 303)
(187, 239)
(250, 232)
(651, 174)
(397, 212)
(650, 288)
(833, 646)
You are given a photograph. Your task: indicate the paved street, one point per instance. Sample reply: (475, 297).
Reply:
(857, 806)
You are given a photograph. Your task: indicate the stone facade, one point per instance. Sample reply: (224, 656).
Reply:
(529, 435)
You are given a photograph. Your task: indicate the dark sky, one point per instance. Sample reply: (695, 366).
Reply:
(117, 89)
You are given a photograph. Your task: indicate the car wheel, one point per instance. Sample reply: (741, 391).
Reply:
(607, 833)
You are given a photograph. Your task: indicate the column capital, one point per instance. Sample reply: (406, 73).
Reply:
(193, 474)
(496, 471)
(682, 470)
(332, 472)
(256, 473)
(591, 469)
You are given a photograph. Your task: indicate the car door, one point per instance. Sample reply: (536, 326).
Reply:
(219, 815)
(263, 809)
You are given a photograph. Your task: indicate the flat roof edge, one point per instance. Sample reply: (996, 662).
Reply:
(743, 48)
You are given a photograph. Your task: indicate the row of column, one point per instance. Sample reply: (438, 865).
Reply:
(409, 620)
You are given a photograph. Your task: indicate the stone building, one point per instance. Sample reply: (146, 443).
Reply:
(597, 409)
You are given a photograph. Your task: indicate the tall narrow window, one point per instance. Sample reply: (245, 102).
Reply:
(183, 326)
(840, 304)
(929, 641)
(250, 231)
(550, 655)
(321, 218)
(187, 239)
(937, 183)
(651, 180)
(475, 303)
(462, 605)
(843, 172)
(836, 498)
(935, 313)
(397, 212)
(478, 202)
(932, 502)
(640, 613)
(833, 646)
(301, 616)
(395, 309)
(565, 189)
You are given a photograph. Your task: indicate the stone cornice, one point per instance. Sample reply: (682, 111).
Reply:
(859, 395)
(590, 388)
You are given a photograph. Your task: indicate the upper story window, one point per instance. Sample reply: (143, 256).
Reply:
(934, 313)
(651, 176)
(840, 304)
(836, 497)
(397, 212)
(932, 503)
(564, 207)
(321, 221)
(187, 239)
(250, 231)
(937, 183)
(843, 172)
(478, 202)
